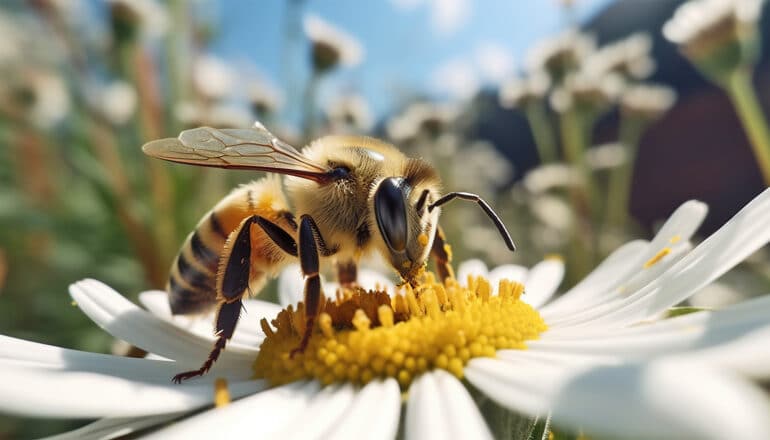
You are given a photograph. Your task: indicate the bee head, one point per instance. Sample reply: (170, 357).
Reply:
(405, 224)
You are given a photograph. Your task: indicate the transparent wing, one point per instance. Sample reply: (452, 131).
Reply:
(240, 148)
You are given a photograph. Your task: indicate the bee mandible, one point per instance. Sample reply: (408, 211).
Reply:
(352, 196)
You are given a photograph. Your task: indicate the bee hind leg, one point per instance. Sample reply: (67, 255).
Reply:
(232, 283)
(227, 318)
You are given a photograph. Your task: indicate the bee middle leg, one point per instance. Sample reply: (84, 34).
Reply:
(441, 255)
(310, 241)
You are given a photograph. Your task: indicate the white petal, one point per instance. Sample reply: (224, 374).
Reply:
(694, 331)
(748, 356)
(746, 232)
(473, 267)
(156, 301)
(424, 412)
(371, 279)
(113, 428)
(462, 414)
(126, 321)
(256, 416)
(617, 297)
(625, 263)
(327, 409)
(72, 394)
(291, 285)
(542, 281)
(17, 352)
(512, 272)
(522, 387)
(604, 277)
(374, 413)
(248, 331)
(665, 399)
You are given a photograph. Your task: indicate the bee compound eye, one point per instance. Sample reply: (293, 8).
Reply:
(390, 212)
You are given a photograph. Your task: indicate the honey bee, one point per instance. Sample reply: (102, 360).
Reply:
(352, 196)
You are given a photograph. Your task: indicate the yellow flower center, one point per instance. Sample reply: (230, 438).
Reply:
(364, 335)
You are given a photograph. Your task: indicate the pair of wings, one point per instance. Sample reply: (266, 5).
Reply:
(239, 148)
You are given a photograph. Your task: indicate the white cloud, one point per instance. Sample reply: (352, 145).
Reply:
(446, 16)
(456, 79)
(494, 61)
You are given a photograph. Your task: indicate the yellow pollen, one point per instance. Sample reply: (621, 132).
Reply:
(221, 393)
(675, 239)
(422, 239)
(365, 335)
(555, 257)
(659, 256)
(74, 303)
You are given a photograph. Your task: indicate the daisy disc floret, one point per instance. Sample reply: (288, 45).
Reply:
(366, 335)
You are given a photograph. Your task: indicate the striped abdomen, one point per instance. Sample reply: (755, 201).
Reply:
(192, 280)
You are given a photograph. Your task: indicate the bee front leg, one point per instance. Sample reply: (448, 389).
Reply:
(309, 242)
(232, 283)
(441, 255)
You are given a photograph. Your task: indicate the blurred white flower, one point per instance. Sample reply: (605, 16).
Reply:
(551, 176)
(647, 101)
(719, 36)
(561, 54)
(587, 91)
(455, 79)
(331, 46)
(263, 96)
(520, 91)
(350, 113)
(629, 56)
(553, 212)
(703, 19)
(49, 98)
(212, 77)
(421, 118)
(481, 167)
(116, 101)
(606, 156)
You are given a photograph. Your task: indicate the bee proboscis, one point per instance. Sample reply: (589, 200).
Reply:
(352, 196)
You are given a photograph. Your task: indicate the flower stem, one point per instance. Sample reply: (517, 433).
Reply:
(542, 131)
(619, 189)
(574, 128)
(742, 94)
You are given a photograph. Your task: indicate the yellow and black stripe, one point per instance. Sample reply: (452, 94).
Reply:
(192, 280)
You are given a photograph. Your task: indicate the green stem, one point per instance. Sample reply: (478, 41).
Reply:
(742, 94)
(542, 131)
(619, 190)
(574, 127)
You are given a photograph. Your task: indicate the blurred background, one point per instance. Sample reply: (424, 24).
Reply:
(585, 123)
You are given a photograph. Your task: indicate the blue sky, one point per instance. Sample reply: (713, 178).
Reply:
(406, 41)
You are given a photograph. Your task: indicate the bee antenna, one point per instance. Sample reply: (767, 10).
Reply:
(485, 206)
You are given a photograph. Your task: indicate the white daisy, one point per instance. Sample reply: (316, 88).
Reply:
(605, 365)
(719, 36)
